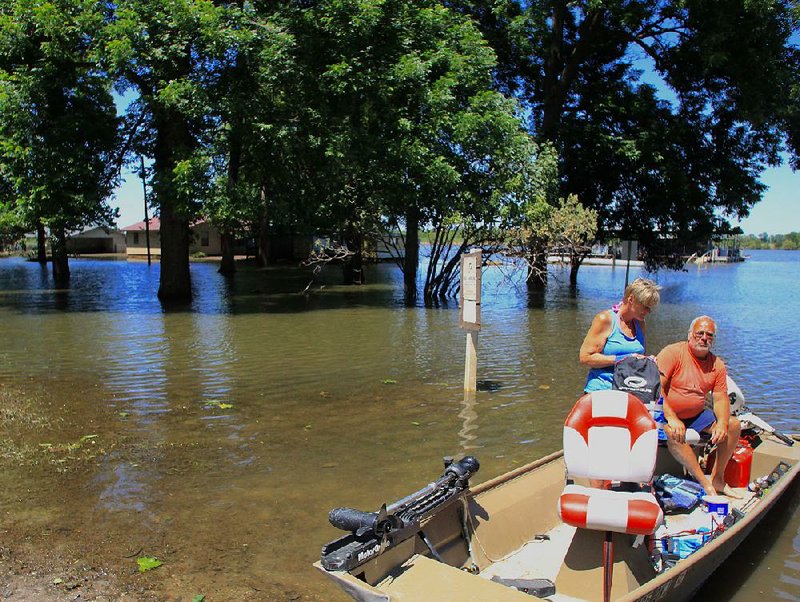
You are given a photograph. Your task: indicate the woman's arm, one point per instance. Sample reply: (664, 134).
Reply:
(591, 350)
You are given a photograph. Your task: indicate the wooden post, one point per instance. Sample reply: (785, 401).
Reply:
(469, 423)
(628, 265)
(471, 362)
(470, 314)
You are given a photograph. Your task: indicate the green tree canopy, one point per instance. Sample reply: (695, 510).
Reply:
(664, 114)
(413, 132)
(58, 125)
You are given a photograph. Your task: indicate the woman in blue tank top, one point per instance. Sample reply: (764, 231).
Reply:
(616, 333)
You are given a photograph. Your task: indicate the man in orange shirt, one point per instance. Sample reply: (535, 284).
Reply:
(689, 372)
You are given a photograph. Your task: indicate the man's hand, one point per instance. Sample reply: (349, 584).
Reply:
(719, 431)
(676, 430)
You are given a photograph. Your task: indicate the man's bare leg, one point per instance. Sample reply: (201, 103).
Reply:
(684, 454)
(725, 449)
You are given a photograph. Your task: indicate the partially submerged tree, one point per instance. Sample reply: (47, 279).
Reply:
(574, 228)
(169, 54)
(414, 134)
(664, 114)
(253, 143)
(58, 125)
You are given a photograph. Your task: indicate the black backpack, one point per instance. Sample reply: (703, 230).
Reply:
(640, 376)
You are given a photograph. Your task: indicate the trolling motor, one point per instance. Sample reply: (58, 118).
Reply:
(744, 414)
(372, 533)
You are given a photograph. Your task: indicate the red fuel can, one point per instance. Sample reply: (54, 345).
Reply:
(737, 473)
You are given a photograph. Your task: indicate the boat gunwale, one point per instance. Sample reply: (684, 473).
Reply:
(513, 474)
(749, 521)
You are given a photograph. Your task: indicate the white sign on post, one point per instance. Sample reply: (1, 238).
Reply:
(470, 297)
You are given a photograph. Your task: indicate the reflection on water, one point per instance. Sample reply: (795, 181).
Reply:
(470, 422)
(245, 416)
(124, 490)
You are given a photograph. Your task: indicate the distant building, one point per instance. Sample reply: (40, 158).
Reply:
(205, 238)
(283, 245)
(97, 239)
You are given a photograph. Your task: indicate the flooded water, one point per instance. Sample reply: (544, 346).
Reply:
(216, 437)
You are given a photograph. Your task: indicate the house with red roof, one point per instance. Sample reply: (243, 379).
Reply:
(205, 238)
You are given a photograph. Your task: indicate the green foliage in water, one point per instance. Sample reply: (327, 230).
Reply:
(148, 563)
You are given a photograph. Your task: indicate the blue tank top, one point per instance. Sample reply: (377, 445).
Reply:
(616, 344)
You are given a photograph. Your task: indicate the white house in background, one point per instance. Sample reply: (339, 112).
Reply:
(205, 239)
(97, 239)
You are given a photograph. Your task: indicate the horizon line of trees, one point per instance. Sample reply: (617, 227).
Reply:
(505, 124)
(787, 242)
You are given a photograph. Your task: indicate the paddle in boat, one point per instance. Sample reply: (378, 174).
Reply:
(608, 518)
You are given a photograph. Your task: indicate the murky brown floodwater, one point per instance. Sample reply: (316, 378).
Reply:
(217, 437)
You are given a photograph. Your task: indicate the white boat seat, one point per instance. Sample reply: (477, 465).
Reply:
(610, 435)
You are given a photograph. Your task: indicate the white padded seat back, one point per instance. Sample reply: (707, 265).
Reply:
(610, 435)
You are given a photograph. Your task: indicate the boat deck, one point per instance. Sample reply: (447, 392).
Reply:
(565, 548)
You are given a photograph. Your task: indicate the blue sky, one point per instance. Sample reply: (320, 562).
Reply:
(129, 199)
(779, 211)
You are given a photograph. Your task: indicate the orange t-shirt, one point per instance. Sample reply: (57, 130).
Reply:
(687, 379)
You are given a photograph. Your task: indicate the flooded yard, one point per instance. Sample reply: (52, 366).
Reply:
(216, 437)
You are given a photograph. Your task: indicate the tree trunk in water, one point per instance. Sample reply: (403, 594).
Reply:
(227, 240)
(175, 282)
(411, 256)
(537, 271)
(58, 246)
(573, 271)
(228, 265)
(262, 246)
(173, 143)
(353, 266)
(41, 243)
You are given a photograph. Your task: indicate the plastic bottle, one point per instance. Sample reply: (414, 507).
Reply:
(758, 485)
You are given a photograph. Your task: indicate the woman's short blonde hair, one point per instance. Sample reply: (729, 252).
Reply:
(645, 291)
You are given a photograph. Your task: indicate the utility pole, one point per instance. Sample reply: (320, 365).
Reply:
(146, 219)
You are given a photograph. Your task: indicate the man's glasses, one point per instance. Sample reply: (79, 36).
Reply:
(704, 334)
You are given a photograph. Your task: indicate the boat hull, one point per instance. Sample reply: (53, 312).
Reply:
(508, 527)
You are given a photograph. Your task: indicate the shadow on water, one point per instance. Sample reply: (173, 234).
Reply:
(131, 287)
(536, 298)
(489, 385)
